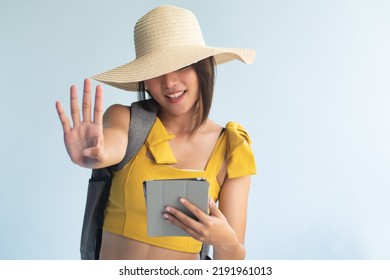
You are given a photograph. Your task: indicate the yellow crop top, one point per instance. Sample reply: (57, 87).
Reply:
(126, 211)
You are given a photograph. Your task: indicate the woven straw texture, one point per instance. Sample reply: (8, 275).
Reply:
(166, 39)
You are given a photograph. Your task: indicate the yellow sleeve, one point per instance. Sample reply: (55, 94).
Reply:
(240, 158)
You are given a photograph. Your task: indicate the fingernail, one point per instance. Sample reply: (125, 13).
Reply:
(166, 218)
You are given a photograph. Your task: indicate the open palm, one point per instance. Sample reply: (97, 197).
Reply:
(84, 141)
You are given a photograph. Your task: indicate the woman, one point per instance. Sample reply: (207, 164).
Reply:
(175, 67)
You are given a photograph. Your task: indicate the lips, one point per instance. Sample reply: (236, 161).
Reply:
(176, 97)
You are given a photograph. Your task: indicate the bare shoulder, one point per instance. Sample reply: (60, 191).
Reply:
(118, 116)
(212, 128)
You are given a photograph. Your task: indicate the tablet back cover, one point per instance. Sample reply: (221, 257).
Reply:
(162, 193)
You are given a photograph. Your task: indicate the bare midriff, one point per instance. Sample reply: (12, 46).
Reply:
(117, 247)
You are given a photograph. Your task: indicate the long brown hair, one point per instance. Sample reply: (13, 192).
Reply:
(205, 71)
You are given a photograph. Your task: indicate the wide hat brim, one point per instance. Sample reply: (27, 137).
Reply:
(166, 39)
(155, 64)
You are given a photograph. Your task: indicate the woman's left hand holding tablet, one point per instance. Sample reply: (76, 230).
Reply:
(212, 228)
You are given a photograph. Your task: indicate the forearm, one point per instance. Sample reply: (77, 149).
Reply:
(233, 200)
(235, 252)
(115, 146)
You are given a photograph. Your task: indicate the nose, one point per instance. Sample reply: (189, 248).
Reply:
(170, 79)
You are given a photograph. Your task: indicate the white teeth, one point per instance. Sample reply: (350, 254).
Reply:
(175, 95)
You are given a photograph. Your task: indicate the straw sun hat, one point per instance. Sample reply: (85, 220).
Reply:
(166, 39)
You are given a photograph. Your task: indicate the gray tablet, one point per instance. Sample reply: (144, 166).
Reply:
(162, 193)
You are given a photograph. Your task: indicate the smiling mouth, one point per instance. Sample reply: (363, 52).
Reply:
(176, 95)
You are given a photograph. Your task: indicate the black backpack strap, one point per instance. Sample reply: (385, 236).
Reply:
(143, 115)
(97, 195)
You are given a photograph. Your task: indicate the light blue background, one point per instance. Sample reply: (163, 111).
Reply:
(316, 104)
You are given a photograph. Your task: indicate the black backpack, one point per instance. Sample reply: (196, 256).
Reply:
(143, 115)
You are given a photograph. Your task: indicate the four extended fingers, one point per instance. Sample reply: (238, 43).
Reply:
(86, 106)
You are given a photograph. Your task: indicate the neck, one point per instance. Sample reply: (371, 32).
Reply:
(182, 125)
(177, 125)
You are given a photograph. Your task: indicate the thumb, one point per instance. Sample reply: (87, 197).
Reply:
(94, 153)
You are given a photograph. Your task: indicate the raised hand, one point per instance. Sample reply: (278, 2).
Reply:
(84, 141)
